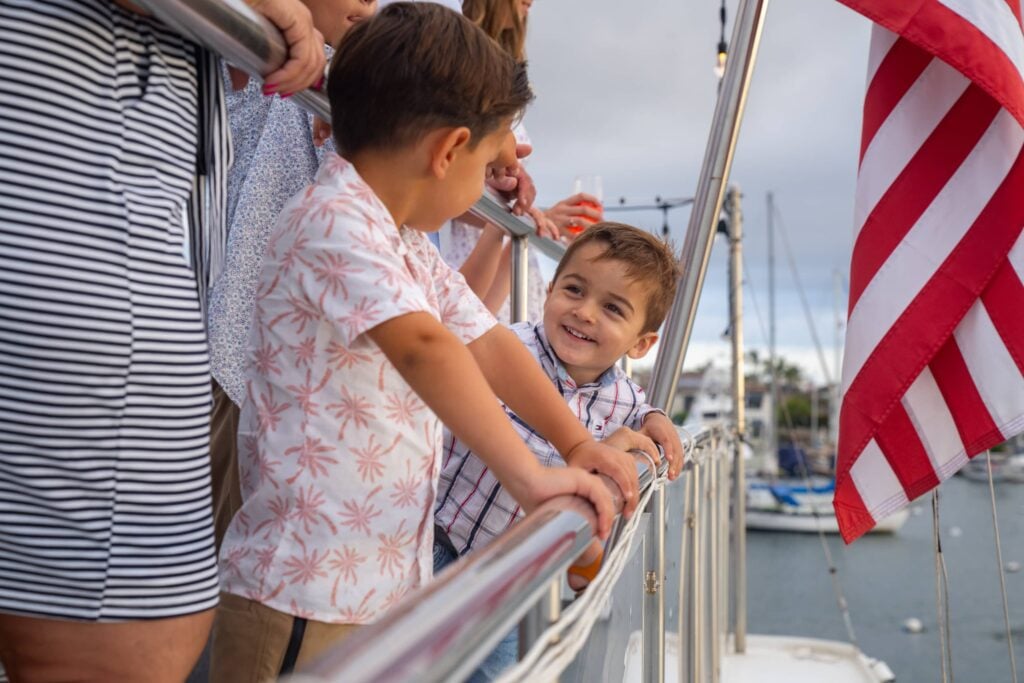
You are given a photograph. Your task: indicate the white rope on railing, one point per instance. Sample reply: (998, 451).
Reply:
(561, 642)
(558, 646)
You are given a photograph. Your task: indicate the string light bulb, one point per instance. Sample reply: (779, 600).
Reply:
(723, 47)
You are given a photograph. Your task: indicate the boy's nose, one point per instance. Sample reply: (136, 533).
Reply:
(585, 311)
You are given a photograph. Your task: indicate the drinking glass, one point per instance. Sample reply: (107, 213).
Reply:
(590, 184)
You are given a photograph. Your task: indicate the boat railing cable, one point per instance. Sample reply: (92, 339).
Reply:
(826, 374)
(999, 566)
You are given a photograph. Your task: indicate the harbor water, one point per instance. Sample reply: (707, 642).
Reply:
(888, 579)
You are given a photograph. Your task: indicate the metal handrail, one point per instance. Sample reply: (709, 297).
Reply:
(443, 631)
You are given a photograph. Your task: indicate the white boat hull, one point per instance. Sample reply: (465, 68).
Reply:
(790, 659)
(805, 522)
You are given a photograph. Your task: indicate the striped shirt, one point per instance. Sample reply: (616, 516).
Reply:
(472, 507)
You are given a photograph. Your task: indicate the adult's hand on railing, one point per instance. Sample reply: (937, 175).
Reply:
(304, 67)
(508, 178)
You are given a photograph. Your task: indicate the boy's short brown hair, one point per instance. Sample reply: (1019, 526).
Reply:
(417, 66)
(646, 258)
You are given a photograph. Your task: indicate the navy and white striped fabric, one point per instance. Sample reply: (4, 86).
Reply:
(104, 375)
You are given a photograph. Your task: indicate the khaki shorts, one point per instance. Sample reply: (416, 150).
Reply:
(253, 643)
(227, 496)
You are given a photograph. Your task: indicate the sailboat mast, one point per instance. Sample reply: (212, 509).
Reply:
(773, 431)
(739, 532)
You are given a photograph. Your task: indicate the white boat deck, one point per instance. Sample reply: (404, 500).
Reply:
(773, 659)
(788, 659)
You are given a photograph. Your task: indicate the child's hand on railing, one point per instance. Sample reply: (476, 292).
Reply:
(610, 458)
(663, 432)
(551, 482)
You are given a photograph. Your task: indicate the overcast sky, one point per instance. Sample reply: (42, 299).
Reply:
(629, 94)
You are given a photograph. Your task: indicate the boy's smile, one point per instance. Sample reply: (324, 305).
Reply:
(594, 314)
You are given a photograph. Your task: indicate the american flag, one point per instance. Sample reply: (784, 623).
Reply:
(932, 373)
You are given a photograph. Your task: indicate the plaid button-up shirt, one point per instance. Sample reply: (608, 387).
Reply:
(472, 507)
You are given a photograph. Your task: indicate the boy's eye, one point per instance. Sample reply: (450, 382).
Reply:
(614, 309)
(573, 289)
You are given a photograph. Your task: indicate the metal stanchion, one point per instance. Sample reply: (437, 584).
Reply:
(713, 574)
(517, 303)
(654, 594)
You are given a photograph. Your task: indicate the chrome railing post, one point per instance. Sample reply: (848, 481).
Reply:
(654, 593)
(517, 303)
(685, 572)
(713, 536)
(739, 493)
(724, 481)
(543, 614)
(693, 585)
(707, 205)
(696, 249)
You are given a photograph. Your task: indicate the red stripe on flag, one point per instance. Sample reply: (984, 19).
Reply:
(900, 68)
(900, 444)
(917, 185)
(945, 34)
(1014, 6)
(930, 318)
(1004, 302)
(851, 513)
(954, 380)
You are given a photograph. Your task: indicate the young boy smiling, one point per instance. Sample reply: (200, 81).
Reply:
(610, 294)
(363, 338)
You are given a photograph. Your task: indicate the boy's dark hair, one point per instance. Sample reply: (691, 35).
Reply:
(646, 258)
(415, 67)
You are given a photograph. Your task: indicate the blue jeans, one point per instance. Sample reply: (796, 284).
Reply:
(505, 653)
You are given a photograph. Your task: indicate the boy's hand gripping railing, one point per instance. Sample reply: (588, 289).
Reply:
(249, 41)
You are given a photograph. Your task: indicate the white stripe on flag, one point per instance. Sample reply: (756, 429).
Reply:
(934, 425)
(1016, 257)
(941, 227)
(882, 40)
(896, 142)
(992, 368)
(996, 20)
(876, 482)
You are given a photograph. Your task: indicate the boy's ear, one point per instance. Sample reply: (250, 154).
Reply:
(642, 345)
(449, 143)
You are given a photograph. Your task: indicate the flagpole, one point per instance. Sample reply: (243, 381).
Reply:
(694, 256)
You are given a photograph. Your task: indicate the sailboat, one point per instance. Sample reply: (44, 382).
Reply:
(798, 502)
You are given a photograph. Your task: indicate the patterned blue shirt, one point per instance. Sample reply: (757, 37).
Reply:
(472, 507)
(274, 159)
